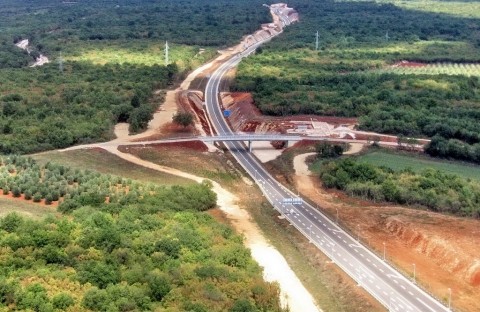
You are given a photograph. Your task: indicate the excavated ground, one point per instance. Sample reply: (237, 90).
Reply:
(444, 249)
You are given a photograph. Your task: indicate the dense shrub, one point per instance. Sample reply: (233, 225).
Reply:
(432, 189)
(134, 256)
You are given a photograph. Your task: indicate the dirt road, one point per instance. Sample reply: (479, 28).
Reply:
(276, 269)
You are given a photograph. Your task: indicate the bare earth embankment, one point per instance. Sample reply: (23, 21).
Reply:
(444, 249)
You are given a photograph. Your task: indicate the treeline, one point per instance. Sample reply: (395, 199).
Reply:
(288, 77)
(431, 189)
(45, 109)
(152, 250)
(454, 149)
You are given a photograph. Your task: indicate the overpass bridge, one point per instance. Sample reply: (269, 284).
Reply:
(241, 137)
(257, 137)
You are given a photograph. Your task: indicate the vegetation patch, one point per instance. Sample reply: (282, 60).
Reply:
(428, 188)
(75, 188)
(451, 69)
(43, 109)
(468, 8)
(418, 163)
(103, 162)
(345, 77)
(153, 248)
(138, 52)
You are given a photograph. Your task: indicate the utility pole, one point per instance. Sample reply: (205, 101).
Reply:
(60, 63)
(166, 53)
(316, 41)
(387, 36)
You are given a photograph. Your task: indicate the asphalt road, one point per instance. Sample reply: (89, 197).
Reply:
(390, 288)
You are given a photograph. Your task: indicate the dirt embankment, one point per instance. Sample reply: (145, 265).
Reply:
(444, 249)
(276, 269)
(245, 116)
(40, 60)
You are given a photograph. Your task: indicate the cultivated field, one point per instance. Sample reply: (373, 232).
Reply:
(451, 69)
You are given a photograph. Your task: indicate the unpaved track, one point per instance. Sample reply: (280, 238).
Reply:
(276, 269)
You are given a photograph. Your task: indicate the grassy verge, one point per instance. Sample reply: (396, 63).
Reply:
(332, 289)
(104, 162)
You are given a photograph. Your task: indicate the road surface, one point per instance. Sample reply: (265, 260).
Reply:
(390, 288)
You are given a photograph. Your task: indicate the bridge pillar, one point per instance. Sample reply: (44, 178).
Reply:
(250, 146)
(287, 145)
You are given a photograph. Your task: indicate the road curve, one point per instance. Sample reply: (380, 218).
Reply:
(389, 287)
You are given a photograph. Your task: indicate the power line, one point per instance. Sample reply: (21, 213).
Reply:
(166, 53)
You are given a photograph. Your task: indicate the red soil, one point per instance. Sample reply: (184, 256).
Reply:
(193, 145)
(246, 117)
(54, 204)
(443, 248)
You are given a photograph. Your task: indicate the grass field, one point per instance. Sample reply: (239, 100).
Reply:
(104, 162)
(138, 52)
(466, 9)
(418, 163)
(23, 207)
(207, 165)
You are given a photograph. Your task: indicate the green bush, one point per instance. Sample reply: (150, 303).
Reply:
(37, 197)
(62, 301)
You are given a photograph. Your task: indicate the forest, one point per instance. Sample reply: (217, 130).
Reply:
(121, 245)
(106, 61)
(430, 188)
(349, 76)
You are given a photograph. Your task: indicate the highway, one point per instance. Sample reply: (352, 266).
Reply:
(376, 276)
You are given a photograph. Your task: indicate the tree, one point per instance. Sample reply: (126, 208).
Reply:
(139, 118)
(62, 301)
(159, 286)
(135, 102)
(11, 222)
(183, 119)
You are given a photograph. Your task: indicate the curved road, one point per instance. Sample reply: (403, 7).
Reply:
(389, 287)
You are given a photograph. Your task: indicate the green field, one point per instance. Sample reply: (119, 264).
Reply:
(138, 52)
(419, 163)
(467, 9)
(24, 208)
(452, 69)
